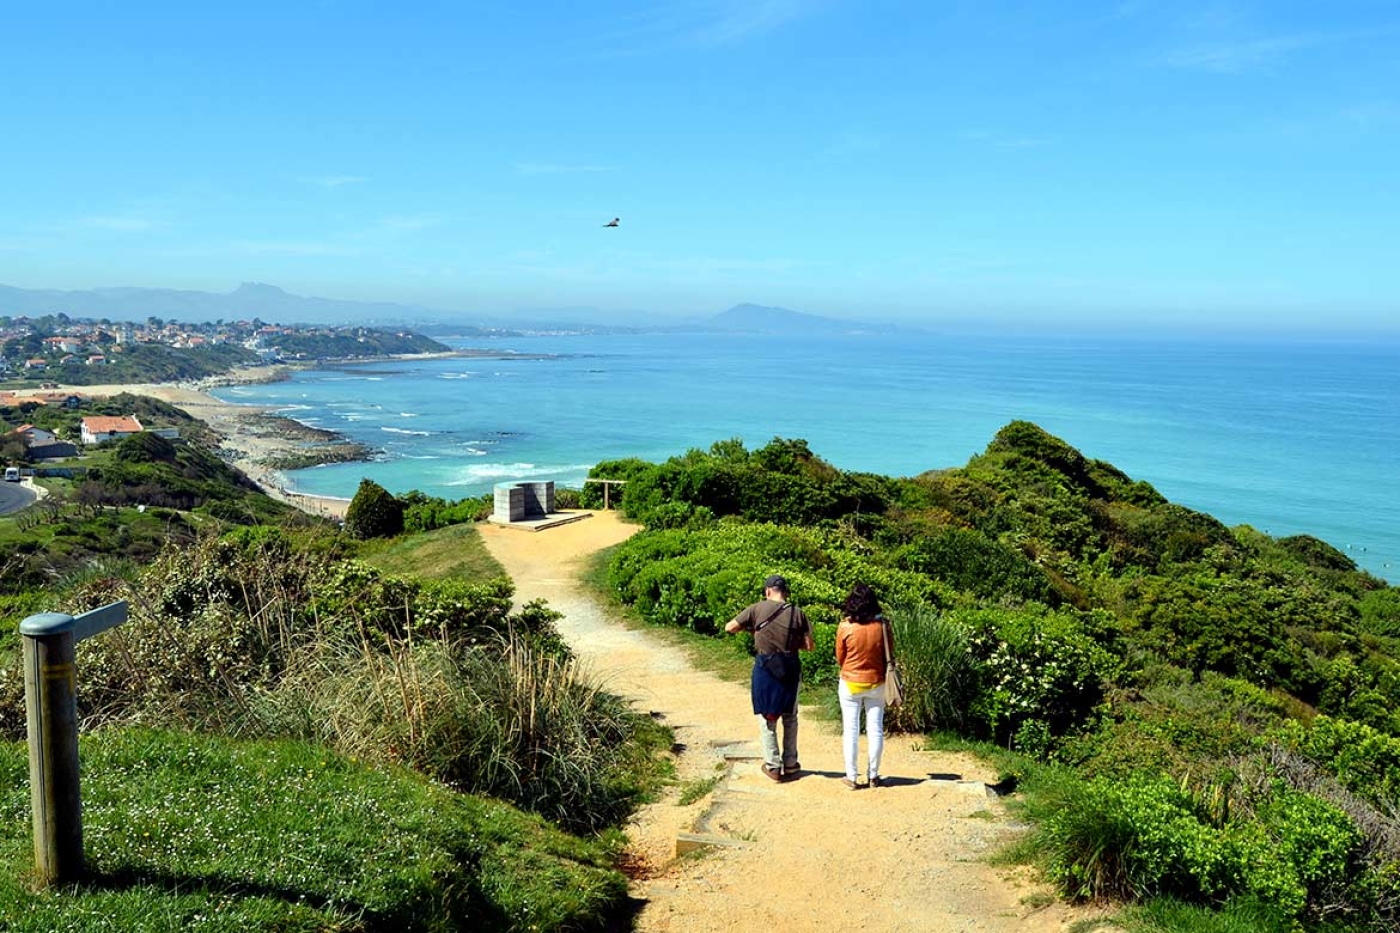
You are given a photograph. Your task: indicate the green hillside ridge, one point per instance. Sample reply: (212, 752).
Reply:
(1196, 712)
(123, 499)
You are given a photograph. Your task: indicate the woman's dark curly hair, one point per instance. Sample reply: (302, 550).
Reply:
(861, 605)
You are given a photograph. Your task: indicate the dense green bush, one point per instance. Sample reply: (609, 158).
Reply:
(145, 447)
(627, 470)
(1364, 760)
(1042, 675)
(782, 481)
(1143, 836)
(422, 512)
(968, 560)
(374, 512)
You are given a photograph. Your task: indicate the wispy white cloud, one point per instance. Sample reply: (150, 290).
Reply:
(336, 181)
(558, 168)
(729, 22)
(1223, 42)
(698, 23)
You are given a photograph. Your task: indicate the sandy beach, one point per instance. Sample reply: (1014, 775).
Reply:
(245, 448)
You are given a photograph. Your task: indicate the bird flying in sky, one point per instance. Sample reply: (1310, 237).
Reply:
(612, 223)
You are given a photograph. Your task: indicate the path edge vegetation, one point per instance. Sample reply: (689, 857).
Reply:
(1219, 701)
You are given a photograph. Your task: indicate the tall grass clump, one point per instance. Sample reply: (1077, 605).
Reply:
(254, 635)
(511, 721)
(936, 668)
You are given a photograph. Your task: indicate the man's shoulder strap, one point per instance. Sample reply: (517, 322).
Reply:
(773, 615)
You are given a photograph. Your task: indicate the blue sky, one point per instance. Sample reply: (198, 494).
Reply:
(1036, 165)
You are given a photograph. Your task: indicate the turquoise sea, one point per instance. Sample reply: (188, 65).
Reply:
(1288, 437)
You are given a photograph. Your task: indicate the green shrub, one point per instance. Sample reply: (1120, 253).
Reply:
(1034, 666)
(1143, 836)
(422, 512)
(1380, 612)
(627, 470)
(145, 447)
(970, 561)
(1364, 760)
(374, 512)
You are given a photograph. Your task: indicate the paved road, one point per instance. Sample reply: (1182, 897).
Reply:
(14, 496)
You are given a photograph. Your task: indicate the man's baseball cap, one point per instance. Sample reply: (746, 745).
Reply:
(776, 582)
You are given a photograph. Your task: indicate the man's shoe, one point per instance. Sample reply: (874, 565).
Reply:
(849, 784)
(792, 769)
(877, 781)
(775, 774)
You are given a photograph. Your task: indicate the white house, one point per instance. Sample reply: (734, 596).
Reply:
(33, 435)
(99, 428)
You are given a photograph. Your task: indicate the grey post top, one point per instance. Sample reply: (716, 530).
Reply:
(84, 626)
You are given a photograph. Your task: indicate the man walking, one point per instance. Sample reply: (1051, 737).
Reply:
(780, 630)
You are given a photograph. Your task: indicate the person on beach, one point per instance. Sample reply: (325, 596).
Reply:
(780, 631)
(861, 641)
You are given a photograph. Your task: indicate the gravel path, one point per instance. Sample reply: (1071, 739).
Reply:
(807, 854)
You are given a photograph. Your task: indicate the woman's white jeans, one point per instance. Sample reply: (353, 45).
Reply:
(873, 702)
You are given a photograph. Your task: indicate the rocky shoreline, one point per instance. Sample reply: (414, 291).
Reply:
(262, 443)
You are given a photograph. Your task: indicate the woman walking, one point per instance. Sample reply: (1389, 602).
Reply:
(861, 641)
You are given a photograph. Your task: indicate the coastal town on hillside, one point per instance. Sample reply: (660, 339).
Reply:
(64, 349)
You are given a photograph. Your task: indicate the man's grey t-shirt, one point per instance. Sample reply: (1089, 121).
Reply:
(777, 627)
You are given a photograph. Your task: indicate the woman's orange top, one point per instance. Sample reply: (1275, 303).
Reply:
(860, 651)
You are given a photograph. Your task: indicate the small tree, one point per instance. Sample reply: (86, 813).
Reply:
(374, 512)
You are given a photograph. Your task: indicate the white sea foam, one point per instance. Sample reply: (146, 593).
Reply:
(405, 431)
(486, 472)
(408, 414)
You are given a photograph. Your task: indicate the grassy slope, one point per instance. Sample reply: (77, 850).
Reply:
(188, 832)
(185, 832)
(455, 551)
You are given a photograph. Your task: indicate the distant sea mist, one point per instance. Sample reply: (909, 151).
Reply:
(1291, 438)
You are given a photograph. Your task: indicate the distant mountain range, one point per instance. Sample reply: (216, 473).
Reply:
(250, 300)
(763, 319)
(272, 304)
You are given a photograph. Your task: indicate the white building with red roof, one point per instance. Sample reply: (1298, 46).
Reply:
(99, 428)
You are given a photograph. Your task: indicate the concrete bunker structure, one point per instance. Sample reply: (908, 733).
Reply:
(523, 502)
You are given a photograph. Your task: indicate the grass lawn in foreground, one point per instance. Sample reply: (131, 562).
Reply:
(186, 832)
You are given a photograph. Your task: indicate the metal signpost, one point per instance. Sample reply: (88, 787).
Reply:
(50, 700)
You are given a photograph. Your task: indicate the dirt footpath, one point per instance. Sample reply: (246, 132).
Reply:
(807, 854)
